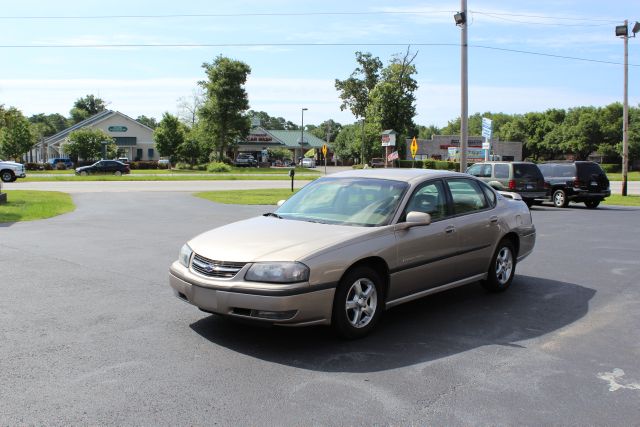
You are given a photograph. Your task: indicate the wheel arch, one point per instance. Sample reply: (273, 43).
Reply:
(376, 263)
(515, 240)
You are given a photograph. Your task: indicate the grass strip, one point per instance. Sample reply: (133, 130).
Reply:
(28, 205)
(269, 196)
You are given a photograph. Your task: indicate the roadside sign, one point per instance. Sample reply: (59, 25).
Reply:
(486, 145)
(414, 147)
(324, 150)
(487, 127)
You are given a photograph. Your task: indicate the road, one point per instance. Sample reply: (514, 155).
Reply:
(92, 335)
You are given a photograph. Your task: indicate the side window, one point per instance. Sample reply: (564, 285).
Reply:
(501, 170)
(475, 170)
(430, 198)
(467, 196)
(489, 194)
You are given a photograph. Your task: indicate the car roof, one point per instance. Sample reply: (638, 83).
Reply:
(397, 174)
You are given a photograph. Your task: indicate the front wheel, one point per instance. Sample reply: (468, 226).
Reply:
(117, 173)
(502, 268)
(7, 176)
(592, 204)
(358, 303)
(83, 173)
(560, 199)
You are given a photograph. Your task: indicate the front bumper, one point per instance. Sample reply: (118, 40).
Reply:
(286, 305)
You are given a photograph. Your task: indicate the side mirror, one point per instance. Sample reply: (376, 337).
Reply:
(415, 219)
(280, 202)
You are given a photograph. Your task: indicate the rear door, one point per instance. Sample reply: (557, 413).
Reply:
(591, 177)
(528, 177)
(476, 223)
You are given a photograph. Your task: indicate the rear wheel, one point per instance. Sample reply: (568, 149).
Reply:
(117, 173)
(502, 268)
(592, 204)
(560, 199)
(7, 176)
(357, 305)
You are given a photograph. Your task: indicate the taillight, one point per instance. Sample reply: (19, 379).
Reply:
(546, 185)
(577, 183)
(512, 184)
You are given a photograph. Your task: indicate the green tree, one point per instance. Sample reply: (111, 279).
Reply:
(354, 91)
(426, 132)
(48, 124)
(169, 135)
(15, 134)
(88, 144)
(86, 107)
(225, 103)
(327, 128)
(150, 122)
(274, 123)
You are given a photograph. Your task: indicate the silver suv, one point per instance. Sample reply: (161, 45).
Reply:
(523, 178)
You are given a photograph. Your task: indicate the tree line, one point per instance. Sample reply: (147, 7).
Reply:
(216, 116)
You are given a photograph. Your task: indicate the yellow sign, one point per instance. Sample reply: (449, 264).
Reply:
(414, 147)
(324, 150)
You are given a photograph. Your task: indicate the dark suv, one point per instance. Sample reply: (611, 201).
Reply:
(523, 178)
(577, 182)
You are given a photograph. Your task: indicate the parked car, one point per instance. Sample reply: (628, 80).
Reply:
(308, 162)
(68, 164)
(523, 178)
(357, 243)
(377, 162)
(112, 167)
(123, 159)
(10, 171)
(580, 182)
(245, 160)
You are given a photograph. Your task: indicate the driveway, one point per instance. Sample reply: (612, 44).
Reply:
(92, 335)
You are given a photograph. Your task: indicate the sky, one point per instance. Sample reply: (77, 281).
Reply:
(143, 57)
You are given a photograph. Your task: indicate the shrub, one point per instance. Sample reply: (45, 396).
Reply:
(146, 164)
(611, 167)
(61, 166)
(37, 166)
(358, 166)
(218, 167)
(411, 163)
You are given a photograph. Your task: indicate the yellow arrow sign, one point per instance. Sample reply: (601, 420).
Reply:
(414, 147)
(324, 150)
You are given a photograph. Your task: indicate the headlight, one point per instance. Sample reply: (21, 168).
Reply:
(185, 255)
(278, 272)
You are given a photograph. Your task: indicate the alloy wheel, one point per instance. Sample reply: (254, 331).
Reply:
(361, 303)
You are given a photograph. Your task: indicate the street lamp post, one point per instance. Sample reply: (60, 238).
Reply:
(623, 31)
(461, 20)
(302, 136)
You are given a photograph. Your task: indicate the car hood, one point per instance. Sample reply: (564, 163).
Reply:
(8, 163)
(272, 239)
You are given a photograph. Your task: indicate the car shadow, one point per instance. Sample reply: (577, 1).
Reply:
(428, 329)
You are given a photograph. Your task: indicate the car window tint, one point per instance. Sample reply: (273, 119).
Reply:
(429, 198)
(526, 171)
(587, 170)
(565, 171)
(475, 170)
(501, 170)
(467, 196)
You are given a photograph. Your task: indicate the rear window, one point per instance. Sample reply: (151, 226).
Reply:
(586, 170)
(526, 171)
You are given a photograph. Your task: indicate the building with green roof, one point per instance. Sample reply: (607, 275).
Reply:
(261, 139)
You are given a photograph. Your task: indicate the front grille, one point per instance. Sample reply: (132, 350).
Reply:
(211, 268)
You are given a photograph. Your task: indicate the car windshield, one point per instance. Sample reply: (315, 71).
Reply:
(364, 202)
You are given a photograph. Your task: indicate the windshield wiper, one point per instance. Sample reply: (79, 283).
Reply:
(272, 214)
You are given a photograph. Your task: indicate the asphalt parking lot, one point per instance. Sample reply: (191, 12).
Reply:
(91, 334)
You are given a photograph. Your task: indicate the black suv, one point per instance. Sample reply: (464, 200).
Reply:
(577, 182)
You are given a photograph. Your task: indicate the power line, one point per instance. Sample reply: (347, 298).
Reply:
(559, 17)
(225, 15)
(557, 24)
(551, 55)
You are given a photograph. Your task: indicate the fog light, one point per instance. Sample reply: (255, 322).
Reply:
(274, 315)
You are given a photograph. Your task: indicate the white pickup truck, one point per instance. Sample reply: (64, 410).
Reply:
(10, 171)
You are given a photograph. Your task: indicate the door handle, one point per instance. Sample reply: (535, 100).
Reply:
(493, 219)
(450, 229)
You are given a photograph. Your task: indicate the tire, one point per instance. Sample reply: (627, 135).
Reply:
(83, 173)
(117, 173)
(502, 268)
(528, 202)
(559, 199)
(358, 303)
(592, 204)
(7, 176)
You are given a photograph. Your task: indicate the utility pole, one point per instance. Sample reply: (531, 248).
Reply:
(362, 151)
(464, 83)
(625, 114)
